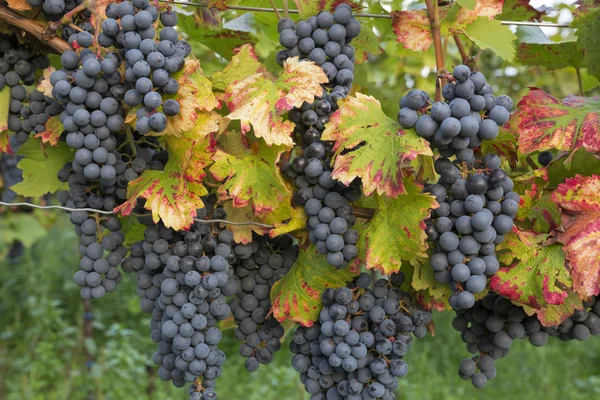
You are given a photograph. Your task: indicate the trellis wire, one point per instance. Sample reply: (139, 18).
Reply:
(361, 15)
(93, 210)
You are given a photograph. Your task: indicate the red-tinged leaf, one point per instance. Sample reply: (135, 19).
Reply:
(543, 215)
(397, 231)
(372, 146)
(554, 315)
(545, 122)
(535, 275)
(196, 99)
(412, 29)
(297, 296)
(242, 233)
(530, 187)
(252, 178)
(4, 107)
(307, 8)
(579, 199)
(173, 195)
(504, 145)
(243, 64)
(54, 128)
(261, 103)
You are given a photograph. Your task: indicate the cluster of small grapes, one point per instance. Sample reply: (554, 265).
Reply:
(470, 114)
(149, 64)
(491, 326)
(324, 39)
(183, 279)
(18, 65)
(69, 32)
(259, 265)
(355, 350)
(472, 218)
(55, 9)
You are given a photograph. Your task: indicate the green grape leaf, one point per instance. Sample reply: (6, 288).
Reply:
(492, 35)
(4, 107)
(428, 292)
(582, 163)
(397, 230)
(545, 122)
(372, 146)
(297, 296)
(24, 227)
(173, 195)
(40, 167)
(132, 229)
(413, 28)
(519, 10)
(365, 44)
(588, 41)
(308, 8)
(544, 215)
(579, 200)
(470, 4)
(551, 55)
(252, 177)
(261, 103)
(535, 274)
(243, 64)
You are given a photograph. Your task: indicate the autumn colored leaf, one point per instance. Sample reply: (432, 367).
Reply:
(261, 103)
(197, 101)
(504, 145)
(207, 18)
(579, 200)
(413, 28)
(173, 195)
(555, 314)
(307, 8)
(4, 107)
(45, 86)
(535, 274)
(243, 64)
(397, 231)
(429, 293)
(242, 233)
(19, 5)
(54, 128)
(297, 296)
(40, 165)
(545, 122)
(371, 146)
(252, 177)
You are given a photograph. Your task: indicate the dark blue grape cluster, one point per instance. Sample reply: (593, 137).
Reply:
(55, 9)
(473, 216)
(259, 265)
(324, 39)
(491, 326)
(355, 351)
(469, 115)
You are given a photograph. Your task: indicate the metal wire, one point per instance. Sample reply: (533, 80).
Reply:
(93, 210)
(361, 15)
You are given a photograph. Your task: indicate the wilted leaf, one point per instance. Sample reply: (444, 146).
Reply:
(259, 102)
(40, 167)
(397, 231)
(535, 275)
(545, 122)
(297, 296)
(45, 86)
(19, 5)
(579, 199)
(371, 146)
(54, 128)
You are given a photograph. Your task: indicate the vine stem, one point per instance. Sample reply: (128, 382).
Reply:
(34, 28)
(286, 9)
(579, 81)
(68, 17)
(434, 18)
(461, 49)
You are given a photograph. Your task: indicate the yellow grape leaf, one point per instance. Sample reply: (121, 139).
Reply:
(261, 103)
(45, 86)
(243, 64)
(19, 5)
(243, 233)
(4, 106)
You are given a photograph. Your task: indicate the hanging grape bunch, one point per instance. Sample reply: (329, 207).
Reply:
(473, 216)
(469, 115)
(325, 40)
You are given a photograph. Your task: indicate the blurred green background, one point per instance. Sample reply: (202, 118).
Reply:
(43, 348)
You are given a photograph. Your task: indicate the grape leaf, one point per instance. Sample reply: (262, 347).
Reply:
(579, 200)
(582, 163)
(45, 86)
(173, 195)
(132, 229)
(470, 4)
(397, 231)
(252, 177)
(545, 122)
(243, 64)
(588, 26)
(492, 35)
(54, 128)
(197, 101)
(242, 233)
(413, 28)
(40, 167)
(519, 10)
(535, 275)
(365, 44)
(503, 145)
(551, 55)
(371, 146)
(555, 314)
(19, 5)
(208, 18)
(428, 292)
(307, 8)
(543, 214)
(23, 227)
(4, 107)
(260, 102)
(297, 296)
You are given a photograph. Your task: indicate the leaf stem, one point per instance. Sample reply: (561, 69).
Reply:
(579, 81)
(461, 49)
(286, 9)
(434, 19)
(275, 9)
